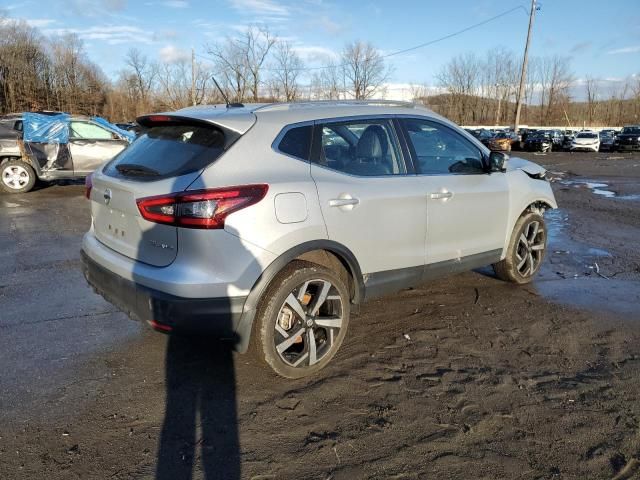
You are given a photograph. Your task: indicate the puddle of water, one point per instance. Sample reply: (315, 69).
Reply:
(571, 272)
(599, 252)
(598, 188)
(604, 193)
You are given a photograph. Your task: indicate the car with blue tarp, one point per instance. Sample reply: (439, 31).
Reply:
(47, 147)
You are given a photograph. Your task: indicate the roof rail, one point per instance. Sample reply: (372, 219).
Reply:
(326, 103)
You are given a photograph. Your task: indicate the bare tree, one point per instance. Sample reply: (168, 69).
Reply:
(460, 79)
(143, 72)
(364, 70)
(555, 80)
(257, 41)
(286, 70)
(591, 90)
(231, 68)
(327, 83)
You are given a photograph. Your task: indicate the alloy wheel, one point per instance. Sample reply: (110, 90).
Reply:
(530, 249)
(308, 323)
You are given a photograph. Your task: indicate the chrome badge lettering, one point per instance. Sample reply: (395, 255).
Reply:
(161, 245)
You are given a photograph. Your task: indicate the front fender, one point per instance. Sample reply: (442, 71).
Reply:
(525, 191)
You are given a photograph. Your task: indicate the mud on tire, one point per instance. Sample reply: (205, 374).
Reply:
(302, 320)
(526, 250)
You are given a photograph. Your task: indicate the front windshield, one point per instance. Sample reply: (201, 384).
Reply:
(631, 130)
(587, 135)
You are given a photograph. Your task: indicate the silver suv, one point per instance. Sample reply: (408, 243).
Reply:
(274, 222)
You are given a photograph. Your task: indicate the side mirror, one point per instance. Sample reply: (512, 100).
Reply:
(498, 162)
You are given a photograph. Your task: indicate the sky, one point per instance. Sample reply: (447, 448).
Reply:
(601, 37)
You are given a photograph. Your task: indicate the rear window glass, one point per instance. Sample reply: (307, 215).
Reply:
(297, 142)
(167, 151)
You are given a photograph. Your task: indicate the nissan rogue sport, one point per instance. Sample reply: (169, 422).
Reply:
(267, 225)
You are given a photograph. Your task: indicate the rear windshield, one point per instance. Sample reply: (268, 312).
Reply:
(168, 151)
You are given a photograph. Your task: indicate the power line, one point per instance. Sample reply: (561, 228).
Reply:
(406, 50)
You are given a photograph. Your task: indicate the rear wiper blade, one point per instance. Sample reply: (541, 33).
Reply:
(131, 169)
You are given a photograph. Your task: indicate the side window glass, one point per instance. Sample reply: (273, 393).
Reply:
(362, 148)
(297, 142)
(88, 131)
(440, 150)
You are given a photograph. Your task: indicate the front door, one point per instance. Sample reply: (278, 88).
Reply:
(369, 202)
(91, 146)
(467, 208)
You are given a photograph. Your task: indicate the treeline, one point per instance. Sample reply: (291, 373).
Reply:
(483, 90)
(39, 72)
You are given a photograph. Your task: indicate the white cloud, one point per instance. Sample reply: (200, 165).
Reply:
(314, 52)
(172, 54)
(95, 8)
(631, 49)
(39, 22)
(111, 34)
(260, 7)
(176, 3)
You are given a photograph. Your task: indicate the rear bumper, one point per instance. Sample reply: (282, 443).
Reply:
(215, 316)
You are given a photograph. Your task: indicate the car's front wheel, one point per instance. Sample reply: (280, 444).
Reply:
(526, 250)
(17, 176)
(302, 320)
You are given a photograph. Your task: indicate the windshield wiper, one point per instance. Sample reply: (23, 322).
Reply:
(136, 170)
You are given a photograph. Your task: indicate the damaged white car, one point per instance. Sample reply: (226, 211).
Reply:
(37, 146)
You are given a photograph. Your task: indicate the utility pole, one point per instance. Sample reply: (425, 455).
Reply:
(523, 73)
(498, 85)
(193, 77)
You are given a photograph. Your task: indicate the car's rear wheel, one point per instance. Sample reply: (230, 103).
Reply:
(302, 320)
(526, 250)
(17, 176)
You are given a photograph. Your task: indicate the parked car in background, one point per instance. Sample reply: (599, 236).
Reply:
(502, 141)
(484, 135)
(585, 141)
(567, 138)
(607, 141)
(557, 137)
(628, 139)
(290, 215)
(538, 142)
(55, 146)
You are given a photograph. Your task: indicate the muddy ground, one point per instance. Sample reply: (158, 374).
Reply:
(466, 377)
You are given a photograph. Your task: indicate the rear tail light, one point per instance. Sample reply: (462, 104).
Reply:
(201, 208)
(88, 185)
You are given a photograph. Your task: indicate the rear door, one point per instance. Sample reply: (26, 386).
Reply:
(370, 203)
(91, 146)
(467, 208)
(165, 159)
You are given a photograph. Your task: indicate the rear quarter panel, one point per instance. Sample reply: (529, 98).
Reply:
(251, 160)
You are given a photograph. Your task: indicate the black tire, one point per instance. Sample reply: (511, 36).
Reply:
(513, 268)
(17, 176)
(274, 308)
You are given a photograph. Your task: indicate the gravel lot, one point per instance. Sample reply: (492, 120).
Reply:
(466, 377)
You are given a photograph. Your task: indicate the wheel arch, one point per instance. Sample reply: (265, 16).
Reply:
(323, 252)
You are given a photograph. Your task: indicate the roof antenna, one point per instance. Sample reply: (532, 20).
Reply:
(226, 100)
